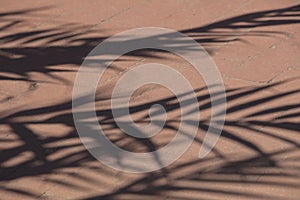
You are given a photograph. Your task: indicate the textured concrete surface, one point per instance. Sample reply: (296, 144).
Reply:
(256, 46)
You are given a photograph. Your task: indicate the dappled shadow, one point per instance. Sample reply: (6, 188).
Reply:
(214, 176)
(219, 168)
(232, 28)
(76, 42)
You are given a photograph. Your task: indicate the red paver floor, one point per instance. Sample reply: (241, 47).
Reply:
(256, 46)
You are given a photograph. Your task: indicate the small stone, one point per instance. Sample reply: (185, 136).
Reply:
(33, 86)
(9, 98)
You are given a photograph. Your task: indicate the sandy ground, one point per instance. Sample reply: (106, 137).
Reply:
(256, 46)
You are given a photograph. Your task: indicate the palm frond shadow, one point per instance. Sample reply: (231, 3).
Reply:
(53, 154)
(76, 42)
(262, 164)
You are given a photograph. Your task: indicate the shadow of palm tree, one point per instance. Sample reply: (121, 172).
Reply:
(206, 178)
(242, 171)
(21, 61)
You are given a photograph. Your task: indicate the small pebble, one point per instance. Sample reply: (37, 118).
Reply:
(33, 86)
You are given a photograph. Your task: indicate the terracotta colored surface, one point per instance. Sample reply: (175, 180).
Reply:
(256, 46)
